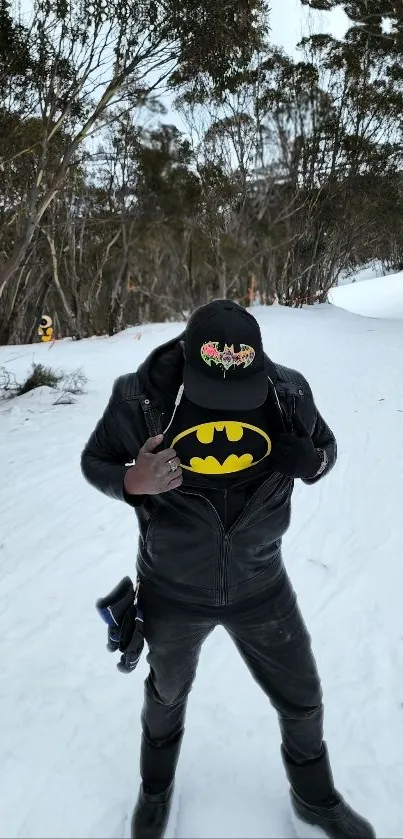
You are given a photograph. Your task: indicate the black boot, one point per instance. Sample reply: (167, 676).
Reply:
(336, 819)
(151, 814)
(316, 801)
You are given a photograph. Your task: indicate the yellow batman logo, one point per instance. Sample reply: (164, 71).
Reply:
(244, 445)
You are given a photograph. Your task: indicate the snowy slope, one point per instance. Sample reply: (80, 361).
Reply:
(70, 722)
(371, 295)
(372, 270)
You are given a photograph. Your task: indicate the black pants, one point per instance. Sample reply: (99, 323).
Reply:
(271, 637)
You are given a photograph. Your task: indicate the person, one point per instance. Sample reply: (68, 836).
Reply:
(205, 442)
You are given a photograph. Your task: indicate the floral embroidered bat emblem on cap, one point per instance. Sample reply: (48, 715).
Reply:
(227, 358)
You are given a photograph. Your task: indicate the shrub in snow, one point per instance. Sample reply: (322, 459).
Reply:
(39, 376)
(69, 384)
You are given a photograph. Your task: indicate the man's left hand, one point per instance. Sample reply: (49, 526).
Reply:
(294, 455)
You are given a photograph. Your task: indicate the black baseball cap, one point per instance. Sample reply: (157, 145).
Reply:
(225, 365)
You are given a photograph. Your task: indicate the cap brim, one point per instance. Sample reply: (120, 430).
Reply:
(220, 395)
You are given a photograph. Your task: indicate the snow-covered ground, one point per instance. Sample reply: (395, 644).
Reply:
(70, 729)
(372, 295)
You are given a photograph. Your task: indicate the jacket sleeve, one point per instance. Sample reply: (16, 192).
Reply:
(323, 438)
(104, 458)
(321, 434)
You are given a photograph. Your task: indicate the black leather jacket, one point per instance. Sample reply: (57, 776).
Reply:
(184, 549)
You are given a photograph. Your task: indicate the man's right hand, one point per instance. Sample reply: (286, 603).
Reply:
(153, 473)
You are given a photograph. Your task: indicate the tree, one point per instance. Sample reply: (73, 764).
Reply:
(288, 173)
(82, 59)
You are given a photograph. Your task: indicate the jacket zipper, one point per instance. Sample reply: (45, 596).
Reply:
(223, 554)
(225, 535)
(293, 412)
(224, 569)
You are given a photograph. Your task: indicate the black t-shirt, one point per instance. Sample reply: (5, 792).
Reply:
(224, 454)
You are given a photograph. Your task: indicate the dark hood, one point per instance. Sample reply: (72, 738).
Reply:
(161, 374)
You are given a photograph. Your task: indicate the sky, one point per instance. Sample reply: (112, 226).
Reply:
(290, 21)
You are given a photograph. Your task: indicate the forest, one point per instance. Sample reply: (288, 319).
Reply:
(287, 172)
